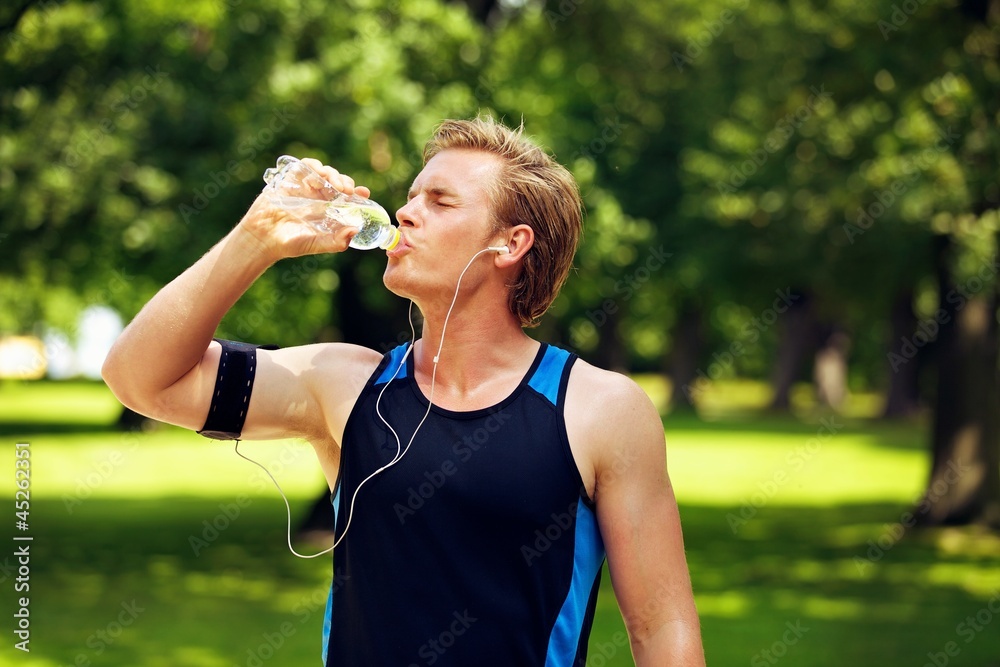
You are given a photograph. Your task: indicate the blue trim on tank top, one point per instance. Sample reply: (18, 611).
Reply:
(547, 377)
(395, 359)
(328, 614)
(588, 557)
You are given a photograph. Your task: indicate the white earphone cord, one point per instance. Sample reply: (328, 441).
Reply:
(399, 454)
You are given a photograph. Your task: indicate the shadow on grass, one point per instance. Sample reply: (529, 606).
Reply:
(894, 434)
(868, 591)
(237, 595)
(213, 582)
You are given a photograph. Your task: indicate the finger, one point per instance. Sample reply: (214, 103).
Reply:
(340, 181)
(339, 240)
(362, 191)
(319, 180)
(344, 183)
(315, 164)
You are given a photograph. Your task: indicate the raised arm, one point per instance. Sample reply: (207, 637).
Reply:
(637, 514)
(164, 364)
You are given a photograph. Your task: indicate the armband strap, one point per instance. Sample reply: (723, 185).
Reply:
(233, 386)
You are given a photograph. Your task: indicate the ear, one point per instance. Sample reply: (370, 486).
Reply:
(518, 240)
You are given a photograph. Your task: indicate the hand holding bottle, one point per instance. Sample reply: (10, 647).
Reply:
(309, 208)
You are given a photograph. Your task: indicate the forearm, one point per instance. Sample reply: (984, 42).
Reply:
(170, 334)
(675, 644)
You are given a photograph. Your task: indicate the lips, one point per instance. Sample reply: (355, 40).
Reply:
(401, 248)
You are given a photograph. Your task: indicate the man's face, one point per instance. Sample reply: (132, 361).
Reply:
(445, 221)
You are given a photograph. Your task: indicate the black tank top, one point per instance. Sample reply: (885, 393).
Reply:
(479, 547)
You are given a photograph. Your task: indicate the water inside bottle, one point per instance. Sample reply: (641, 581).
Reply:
(371, 221)
(287, 183)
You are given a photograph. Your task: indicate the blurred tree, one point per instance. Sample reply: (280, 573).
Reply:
(757, 175)
(135, 133)
(777, 149)
(964, 483)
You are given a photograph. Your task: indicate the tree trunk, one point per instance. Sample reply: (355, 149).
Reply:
(610, 352)
(964, 484)
(682, 362)
(830, 369)
(796, 339)
(903, 396)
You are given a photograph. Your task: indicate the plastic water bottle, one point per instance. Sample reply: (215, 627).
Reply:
(301, 190)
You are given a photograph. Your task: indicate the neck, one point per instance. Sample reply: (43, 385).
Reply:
(484, 351)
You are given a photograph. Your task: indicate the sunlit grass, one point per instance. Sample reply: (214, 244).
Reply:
(787, 520)
(76, 403)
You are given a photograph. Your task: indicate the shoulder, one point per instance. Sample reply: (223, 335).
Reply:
(611, 419)
(606, 395)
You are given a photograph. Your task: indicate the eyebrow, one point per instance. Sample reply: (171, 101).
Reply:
(436, 191)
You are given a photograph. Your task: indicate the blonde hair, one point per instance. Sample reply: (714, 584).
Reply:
(533, 189)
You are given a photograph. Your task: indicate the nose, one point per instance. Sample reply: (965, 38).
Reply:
(405, 215)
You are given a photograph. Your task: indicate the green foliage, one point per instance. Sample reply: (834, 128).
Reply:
(134, 137)
(763, 145)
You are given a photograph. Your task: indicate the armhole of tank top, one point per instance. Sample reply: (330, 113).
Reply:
(564, 434)
(368, 388)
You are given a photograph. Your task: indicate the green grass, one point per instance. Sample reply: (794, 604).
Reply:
(779, 525)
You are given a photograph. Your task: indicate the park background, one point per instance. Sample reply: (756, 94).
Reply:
(791, 243)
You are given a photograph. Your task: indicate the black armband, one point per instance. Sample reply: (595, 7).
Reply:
(233, 386)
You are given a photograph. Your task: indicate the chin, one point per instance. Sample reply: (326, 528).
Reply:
(397, 281)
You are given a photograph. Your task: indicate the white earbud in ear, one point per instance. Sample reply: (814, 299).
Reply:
(500, 249)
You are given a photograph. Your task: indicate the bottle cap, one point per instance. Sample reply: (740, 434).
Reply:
(393, 240)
